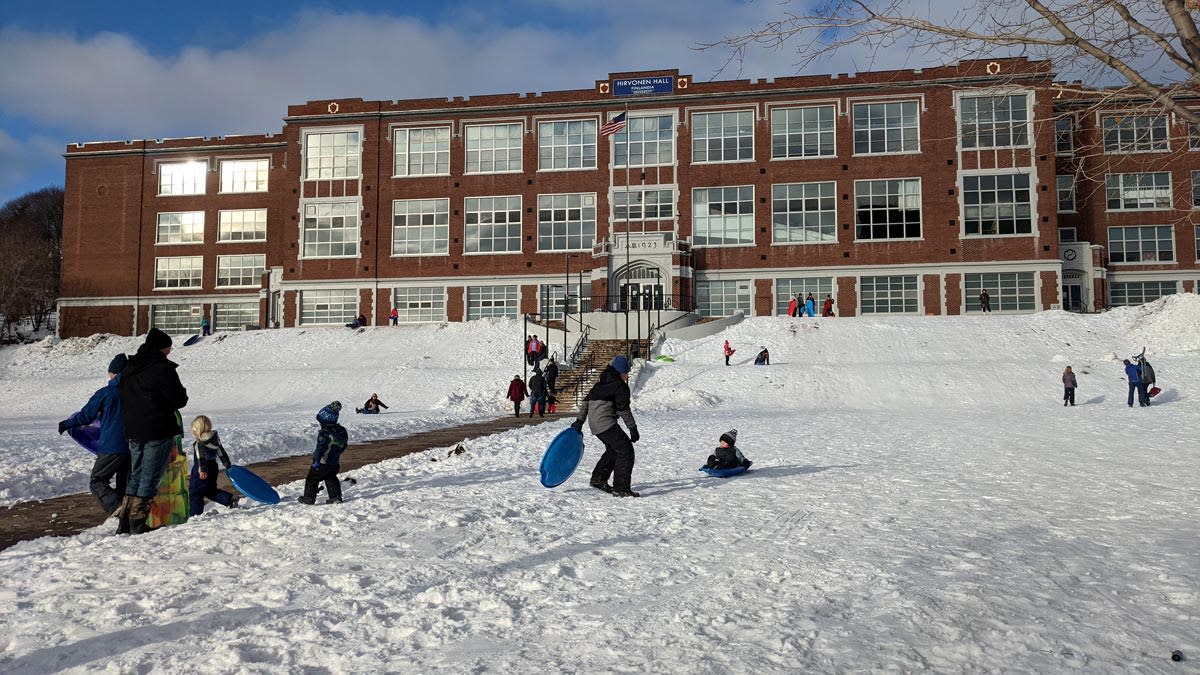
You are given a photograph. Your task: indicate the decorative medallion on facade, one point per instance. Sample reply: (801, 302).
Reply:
(333, 107)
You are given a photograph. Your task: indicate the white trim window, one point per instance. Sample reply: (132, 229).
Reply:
(421, 227)
(1065, 189)
(785, 289)
(330, 229)
(494, 148)
(566, 145)
(803, 132)
(722, 137)
(724, 297)
(643, 203)
(651, 142)
(235, 315)
(422, 151)
(999, 204)
(804, 212)
(331, 306)
(244, 175)
(1141, 244)
(567, 222)
(1067, 235)
(723, 216)
(175, 319)
(887, 209)
(419, 304)
(1138, 191)
(1135, 133)
(887, 127)
(994, 121)
(551, 301)
(1007, 291)
(330, 155)
(1193, 137)
(1064, 136)
(242, 225)
(1196, 189)
(492, 224)
(1132, 293)
(241, 271)
(888, 294)
(179, 271)
(183, 227)
(182, 178)
(485, 301)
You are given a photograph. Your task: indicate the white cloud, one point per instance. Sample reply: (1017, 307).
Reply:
(23, 161)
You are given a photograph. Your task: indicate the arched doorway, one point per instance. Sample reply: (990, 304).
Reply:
(639, 286)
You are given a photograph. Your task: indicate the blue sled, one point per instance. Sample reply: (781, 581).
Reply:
(561, 458)
(251, 485)
(88, 436)
(193, 340)
(725, 473)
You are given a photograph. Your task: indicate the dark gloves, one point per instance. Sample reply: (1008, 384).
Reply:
(634, 436)
(62, 427)
(316, 465)
(577, 425)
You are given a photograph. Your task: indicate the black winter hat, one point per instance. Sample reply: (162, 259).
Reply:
(117, 364)
(157, 340)
(729, 437)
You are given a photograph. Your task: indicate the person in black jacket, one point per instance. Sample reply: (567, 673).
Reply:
(372, 406)
(608, 400)
(551, 375)
(327, 457)
(537, 394)
(151, 396)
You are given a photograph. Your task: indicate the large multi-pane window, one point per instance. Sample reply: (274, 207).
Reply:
(421, 227)
(235, 315)
(1196, 189)
(723, 216)
(804, 212)
(645, 141)
(786, 289)
(332, 154)
(994, 121)
(175, 319)
(329, 306)
(722, 136)
(1135, 133)
(181, 178)
(722, 298)
(1138, 191)
(178, 271)
(887, 209)
(1141, 244)
(240, 270)
(242, 225)
(1140, 292)
(494, 148)
(1066, 192)
(1007, 291)
(887, 127)
(888, 295)
(550, 299)
(484, 301)
(492, 225)
(566, 222)
(802, 132)
(330, 229)
(1064, 136)
(642, 203)
(567, 144)
(999, 204)
(180, 228)
(1193, 137)
(419, 304)
(422, 151)
(244, 175)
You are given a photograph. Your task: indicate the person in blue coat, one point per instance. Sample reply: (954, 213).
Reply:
(1135, 383)
(327, 457)
(112, 457)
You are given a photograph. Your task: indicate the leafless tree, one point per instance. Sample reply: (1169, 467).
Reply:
(30, 257)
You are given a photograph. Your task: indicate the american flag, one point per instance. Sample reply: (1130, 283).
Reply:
(613, 126)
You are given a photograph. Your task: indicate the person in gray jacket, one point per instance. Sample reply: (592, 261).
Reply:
(607, 401)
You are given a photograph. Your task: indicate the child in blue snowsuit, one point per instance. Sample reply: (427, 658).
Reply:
(112, 457)
(727, 455)
(331, 442)
(205, 452)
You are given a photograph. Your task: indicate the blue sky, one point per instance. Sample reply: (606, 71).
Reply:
(88, 71)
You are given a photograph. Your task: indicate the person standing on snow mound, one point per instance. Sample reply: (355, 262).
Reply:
(985, 301)
(727, 455)
(728, 352)
(151, 395)
(1136, 384)
(206, 450)
(327, 457)
(607, 401)
(810, 305)
(1069, 386)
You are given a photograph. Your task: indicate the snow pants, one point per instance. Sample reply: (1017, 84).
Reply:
(327, 473)
(106, 468)
(1069, 395)
(200, 489)
(1143, 396)
(617, 460)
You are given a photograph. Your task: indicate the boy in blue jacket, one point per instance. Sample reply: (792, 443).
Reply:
(331, 442)
(112, 457)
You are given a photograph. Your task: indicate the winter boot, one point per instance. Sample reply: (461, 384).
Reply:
(625, 493)
(138, 514)
(600, 485)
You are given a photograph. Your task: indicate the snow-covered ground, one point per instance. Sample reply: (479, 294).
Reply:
(920, 501)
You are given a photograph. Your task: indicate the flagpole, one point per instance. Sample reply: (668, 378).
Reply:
(628, 222)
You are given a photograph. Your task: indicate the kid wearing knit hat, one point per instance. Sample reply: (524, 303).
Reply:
(727, 455)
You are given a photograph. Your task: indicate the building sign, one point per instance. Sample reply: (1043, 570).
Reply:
(644, 86)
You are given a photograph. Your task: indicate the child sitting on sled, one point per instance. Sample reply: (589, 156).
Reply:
(727, 455)
(206, 450)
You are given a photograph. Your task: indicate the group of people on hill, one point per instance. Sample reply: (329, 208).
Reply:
(541, 390)
(1139, 374)
(762, 358)
(807, 306)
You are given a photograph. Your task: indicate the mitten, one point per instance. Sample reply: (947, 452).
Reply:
(62, 426)
(633, 435)
(577, 425)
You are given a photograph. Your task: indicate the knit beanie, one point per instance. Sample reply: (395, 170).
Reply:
(329, 414)
(157, 340)
(620, 364)
(729, 437)
(117, 364)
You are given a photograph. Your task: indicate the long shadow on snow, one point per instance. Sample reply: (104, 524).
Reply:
(754, 472)
(391, 484)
